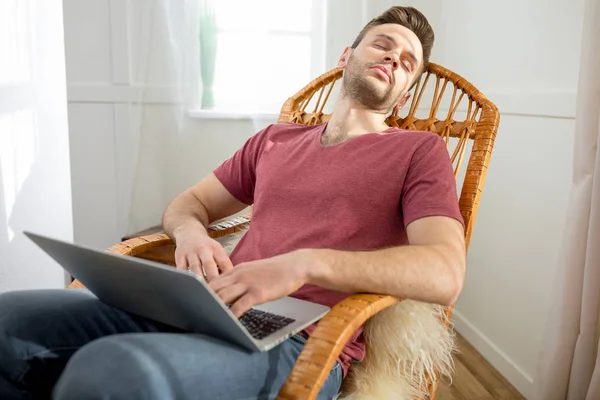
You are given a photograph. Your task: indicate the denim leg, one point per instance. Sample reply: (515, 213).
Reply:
(41, 329)
(180, 366)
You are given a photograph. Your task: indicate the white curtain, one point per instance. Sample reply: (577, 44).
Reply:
(169, 64)
(164, 64)
(569, 366)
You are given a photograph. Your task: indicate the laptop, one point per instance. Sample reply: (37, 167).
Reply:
(178, 298)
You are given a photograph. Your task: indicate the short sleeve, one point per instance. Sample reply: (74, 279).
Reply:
(430, 186)
(238, 173)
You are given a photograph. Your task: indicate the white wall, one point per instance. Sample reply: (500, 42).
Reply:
(523, 55)
(35, 187)
(105, 52)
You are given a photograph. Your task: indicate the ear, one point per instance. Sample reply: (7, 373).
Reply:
(343, 61)
(402, 102)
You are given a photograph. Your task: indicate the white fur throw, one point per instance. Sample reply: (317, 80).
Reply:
(408, 345)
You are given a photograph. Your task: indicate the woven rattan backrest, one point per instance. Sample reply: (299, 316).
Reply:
(442, 102)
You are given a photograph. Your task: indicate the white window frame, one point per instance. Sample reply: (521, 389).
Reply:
(317, 36)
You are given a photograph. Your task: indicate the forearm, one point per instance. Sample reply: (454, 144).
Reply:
(183, 213)
(425, 273)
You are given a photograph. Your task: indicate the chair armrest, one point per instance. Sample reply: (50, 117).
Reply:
(133, 247)
(327, 341)
(145, 244)
(139, 245)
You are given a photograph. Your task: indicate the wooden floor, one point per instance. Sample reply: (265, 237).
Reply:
(475, 379)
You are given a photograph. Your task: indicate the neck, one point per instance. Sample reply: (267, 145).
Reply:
(350, 119)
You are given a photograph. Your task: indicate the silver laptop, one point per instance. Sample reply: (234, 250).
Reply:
(178, 298)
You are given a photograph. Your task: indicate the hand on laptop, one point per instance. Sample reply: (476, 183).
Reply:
(257, 282)
(202, 255)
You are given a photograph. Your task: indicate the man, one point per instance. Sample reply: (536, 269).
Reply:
(343, 207)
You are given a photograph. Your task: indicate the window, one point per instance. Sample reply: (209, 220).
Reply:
(266, 50)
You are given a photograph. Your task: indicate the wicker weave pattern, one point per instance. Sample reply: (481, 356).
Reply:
(480, 123)
(478, 128)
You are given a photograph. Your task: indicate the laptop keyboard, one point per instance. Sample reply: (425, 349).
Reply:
(261, 324)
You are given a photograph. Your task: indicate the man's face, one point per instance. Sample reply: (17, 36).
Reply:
(381, 69)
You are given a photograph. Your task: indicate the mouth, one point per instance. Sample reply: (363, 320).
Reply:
(383, 72)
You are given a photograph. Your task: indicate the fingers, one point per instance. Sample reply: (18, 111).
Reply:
(232, 289)
(205, 264)
(222, 281)
(194, 264)
(181, 261)
(230, 294)
(203, 257)
(243, 304)
(209, 265)
(223, 260)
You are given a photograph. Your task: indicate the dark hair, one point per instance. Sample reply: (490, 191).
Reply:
(408, 17)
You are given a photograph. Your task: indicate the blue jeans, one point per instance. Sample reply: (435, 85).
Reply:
(66, 344)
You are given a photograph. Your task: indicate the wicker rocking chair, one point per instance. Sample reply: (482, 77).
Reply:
(471, 136)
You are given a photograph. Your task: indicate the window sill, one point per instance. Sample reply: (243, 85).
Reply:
(228, 115)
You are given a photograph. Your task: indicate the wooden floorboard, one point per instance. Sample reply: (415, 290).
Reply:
(475, 379)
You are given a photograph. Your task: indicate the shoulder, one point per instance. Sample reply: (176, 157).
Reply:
(288, 128)
(417, 141)
(285, 132)
(422, 148)
(419, 137)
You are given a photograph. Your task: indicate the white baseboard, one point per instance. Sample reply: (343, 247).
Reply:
(494, 355)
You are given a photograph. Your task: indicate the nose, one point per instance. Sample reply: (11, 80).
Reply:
(393, 60)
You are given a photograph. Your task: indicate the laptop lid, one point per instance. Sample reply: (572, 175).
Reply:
(149, 289)
(168, 295)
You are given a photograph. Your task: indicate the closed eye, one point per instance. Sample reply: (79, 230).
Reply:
(408, 66)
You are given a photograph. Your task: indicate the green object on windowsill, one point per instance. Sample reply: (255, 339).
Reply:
(208, 52)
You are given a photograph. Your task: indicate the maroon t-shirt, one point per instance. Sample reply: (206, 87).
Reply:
(357, 195)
